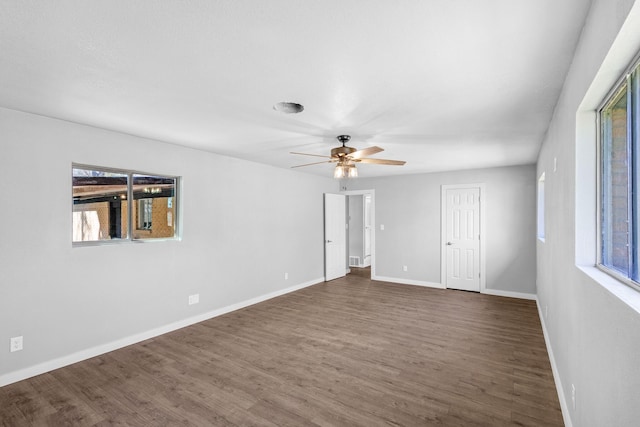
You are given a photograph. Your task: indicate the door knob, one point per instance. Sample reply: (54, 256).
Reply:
(329, 241)
(449, 243)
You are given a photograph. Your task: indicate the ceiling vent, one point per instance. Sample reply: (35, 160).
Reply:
(289, 107)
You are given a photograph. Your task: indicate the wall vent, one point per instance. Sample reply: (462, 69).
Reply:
(354, 261)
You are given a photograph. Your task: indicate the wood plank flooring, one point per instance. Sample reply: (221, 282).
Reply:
(351, 352)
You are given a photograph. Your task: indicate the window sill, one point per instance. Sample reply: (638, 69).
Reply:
(112, 242)
(623, 292)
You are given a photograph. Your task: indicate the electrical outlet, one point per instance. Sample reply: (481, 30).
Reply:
(194, 299)
(404, 268)
(381, 227)
(16, 344)
(286, 276)
(573, 396)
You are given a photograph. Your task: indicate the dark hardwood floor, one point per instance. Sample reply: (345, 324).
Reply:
(351, 352)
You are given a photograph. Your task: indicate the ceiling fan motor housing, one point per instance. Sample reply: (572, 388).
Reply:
(344, 150)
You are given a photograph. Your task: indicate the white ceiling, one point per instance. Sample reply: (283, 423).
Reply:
(444, 85)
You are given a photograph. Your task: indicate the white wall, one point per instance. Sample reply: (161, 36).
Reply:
(244, 226)
(591, 321)
(409, 208)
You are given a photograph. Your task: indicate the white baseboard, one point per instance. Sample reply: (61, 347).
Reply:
(509, 294)
(495, 292)
(564, 406)
(79, 356)
(408, 282)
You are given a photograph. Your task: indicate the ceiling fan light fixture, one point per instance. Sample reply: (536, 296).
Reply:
(345, 170)
(289, 107)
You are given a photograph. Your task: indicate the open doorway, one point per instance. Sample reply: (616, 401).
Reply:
(360, 239)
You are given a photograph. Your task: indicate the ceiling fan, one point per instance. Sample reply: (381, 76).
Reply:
(347, 157)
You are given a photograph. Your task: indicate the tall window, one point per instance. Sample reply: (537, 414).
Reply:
(620, 180)
(540, 206)
(145, 214)
(102, 212)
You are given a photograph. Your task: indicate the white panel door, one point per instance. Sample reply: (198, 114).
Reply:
(335, 236)
(462, 239)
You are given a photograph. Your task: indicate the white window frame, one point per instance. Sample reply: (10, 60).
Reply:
(131, 220)
(633, 132)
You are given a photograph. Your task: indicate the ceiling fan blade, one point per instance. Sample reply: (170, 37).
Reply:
(307, 154)
(382, 162)
(316, 163)
(365, 152)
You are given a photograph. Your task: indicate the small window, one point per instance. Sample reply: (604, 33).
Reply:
(102, 212)
(153, 207)
(99, 205)
(540, 205)
(145, 214)
(619, 224)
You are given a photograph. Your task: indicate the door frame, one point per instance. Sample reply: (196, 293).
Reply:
(372, 193)
(443, 232)
(367, 262)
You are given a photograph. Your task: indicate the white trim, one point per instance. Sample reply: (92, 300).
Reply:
(408, 282)
(494, 292)
(510, 294)
(443, 232)
(564, 407)
(81, 355)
